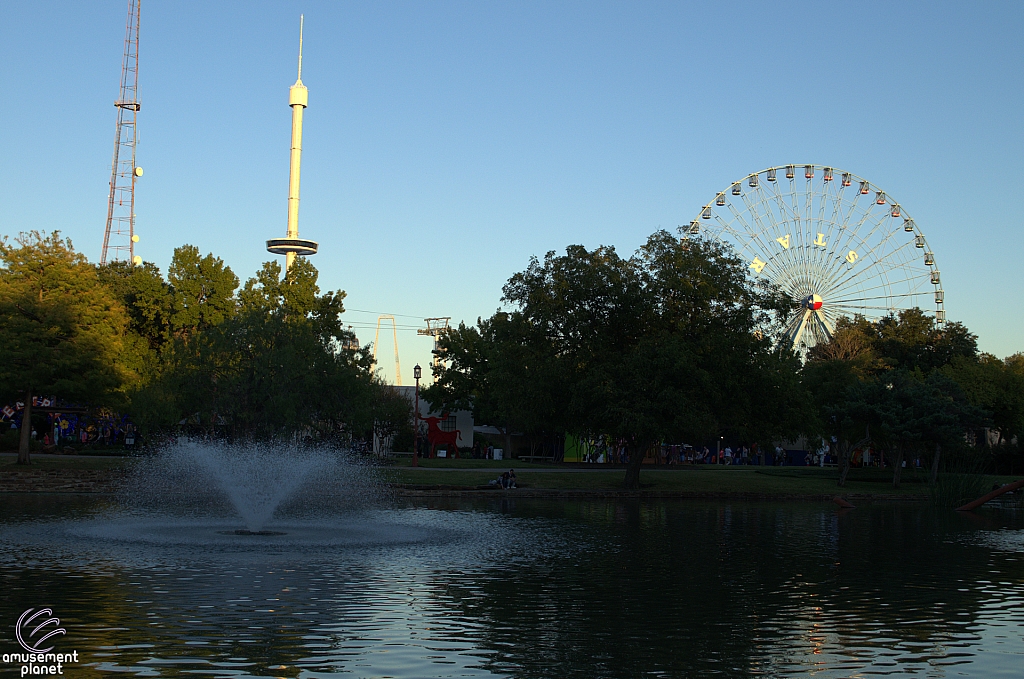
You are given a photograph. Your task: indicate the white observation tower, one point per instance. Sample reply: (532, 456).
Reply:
(291, 245)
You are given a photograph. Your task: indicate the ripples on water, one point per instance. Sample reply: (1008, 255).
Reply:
(530, 589)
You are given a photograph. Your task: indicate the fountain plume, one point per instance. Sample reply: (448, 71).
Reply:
(253, 482)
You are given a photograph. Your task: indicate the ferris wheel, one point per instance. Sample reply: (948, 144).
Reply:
(830, 239)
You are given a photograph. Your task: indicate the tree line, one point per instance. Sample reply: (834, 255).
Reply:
(678, 343)
(268, 358)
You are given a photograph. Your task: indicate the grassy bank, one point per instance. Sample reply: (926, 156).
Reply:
(462, 474)
(464, 463)
(791, 481)
(8, 462)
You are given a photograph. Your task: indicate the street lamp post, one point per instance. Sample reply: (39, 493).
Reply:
(417, 372)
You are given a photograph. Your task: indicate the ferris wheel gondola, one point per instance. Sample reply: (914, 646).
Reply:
(839, 247)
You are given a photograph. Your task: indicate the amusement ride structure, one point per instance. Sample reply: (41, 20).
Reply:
(835, 242)
(394, 334)
(119, 238)
(436, 327)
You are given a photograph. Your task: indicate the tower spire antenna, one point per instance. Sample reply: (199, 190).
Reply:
(301, 20)
(291, 245)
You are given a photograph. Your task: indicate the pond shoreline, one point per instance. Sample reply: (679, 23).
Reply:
(100, 481)
(105, 482)
(77, 481)
(564, 494)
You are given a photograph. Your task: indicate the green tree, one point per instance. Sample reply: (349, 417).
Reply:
(283, 363)
(916, 407)
(729, 325)
(830, 383)
(61, 329)
(997, 387)
(503, 373)
(149, 302)
(946, 414)
(833, 371)
(913, 341)
(908, 414)
(853, 340)
(1015, 396)
(392, 413)
(675, 342)
(195, 360)
(204, 289)
(147, 298)
(591, 310)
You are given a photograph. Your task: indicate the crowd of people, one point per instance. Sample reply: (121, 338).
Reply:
(604, 452)
(65, 430)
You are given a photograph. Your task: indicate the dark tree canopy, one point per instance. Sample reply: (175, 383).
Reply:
(273, 359)
(674, 342)
(911, 340)
(889, 382)
(281, 362)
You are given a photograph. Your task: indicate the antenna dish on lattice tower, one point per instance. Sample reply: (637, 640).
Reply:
(119, 237)
(376, 340)
(435, 328)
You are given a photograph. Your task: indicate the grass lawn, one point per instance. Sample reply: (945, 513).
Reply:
(776, 481)
(466, 463)
(770, 480)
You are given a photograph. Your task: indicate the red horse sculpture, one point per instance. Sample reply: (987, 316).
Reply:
(436, 437)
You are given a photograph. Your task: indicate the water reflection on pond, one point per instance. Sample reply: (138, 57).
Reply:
(534, 589)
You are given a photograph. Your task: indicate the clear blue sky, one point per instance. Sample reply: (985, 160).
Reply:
(446, 142)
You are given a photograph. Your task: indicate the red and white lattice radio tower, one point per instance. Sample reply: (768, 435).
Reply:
(119, 239)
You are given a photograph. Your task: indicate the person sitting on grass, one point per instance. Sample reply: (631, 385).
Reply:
(511, 478)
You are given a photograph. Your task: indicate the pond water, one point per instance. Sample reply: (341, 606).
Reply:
(524, 588)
